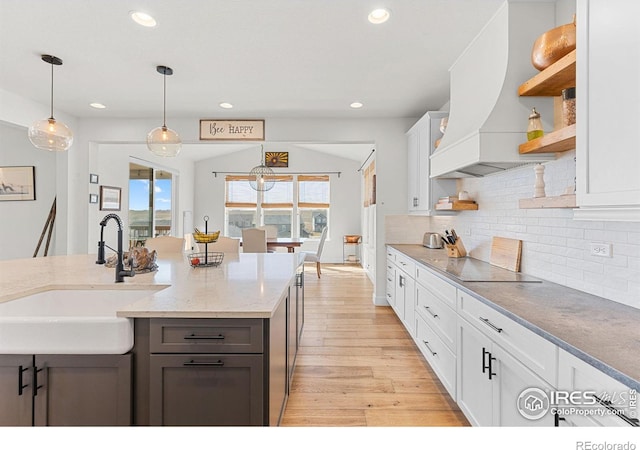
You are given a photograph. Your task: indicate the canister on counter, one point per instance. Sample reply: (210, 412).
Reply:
(569, 106)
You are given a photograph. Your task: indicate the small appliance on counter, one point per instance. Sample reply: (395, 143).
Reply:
(455, 248)
(432, 240)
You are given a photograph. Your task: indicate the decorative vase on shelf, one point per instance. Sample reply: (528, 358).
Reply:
(553, 45)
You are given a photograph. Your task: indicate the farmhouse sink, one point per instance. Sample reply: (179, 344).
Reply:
(68, 321)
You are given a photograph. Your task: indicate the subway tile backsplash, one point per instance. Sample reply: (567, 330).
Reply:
(555, 247)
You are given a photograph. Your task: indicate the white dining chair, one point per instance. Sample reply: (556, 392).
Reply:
(315, 257)
(164, 245)
(223, 244)
(254, 240)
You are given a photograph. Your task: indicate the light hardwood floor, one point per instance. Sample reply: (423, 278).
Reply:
(357, 365)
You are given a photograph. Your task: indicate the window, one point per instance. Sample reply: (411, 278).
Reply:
(150, 202)
(313, 204)
(297, 209)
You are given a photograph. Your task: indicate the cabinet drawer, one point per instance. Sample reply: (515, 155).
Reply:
(391, 256)
(446, 291)
(576, 375)
(437, 315)
(206, 336)
(406, 264)
(532, 350)
(437, 354)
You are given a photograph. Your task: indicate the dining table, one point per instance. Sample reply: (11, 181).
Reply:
(290, 243)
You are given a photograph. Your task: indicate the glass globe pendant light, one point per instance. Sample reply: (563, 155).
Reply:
(163, 141)
(49, 134)
(262, 178)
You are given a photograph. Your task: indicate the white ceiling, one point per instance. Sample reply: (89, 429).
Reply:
(269, 58)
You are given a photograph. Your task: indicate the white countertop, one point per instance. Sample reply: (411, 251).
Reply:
(244, 285)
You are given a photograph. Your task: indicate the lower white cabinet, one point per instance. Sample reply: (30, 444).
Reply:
(596, 400)
(491, 381)
(441, 359)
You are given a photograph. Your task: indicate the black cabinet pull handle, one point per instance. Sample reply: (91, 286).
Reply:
(426, 344)
(35, 381)
(401, 281)
(486, 366)
(487, 322)
(193, 336)
(429, 310)
(557, 419)
(607, 404)
(218, 363)
(20, 380)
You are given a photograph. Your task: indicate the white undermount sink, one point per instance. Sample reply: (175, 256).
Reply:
(68, 321)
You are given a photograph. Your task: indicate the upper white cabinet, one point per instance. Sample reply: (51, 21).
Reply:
(423, 192)
(608, 110)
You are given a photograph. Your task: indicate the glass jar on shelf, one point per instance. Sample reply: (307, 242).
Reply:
(534, 129)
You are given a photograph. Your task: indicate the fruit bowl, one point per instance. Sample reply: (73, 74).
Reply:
(205, 238)
(206, 259)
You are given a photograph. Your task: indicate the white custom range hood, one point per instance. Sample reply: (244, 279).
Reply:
(488, 120)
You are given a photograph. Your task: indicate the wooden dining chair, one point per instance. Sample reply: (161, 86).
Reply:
(254, 240)
(223, 244)
(164, 245)
(315, 257)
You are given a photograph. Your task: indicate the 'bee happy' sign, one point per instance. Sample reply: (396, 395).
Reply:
(231, 130)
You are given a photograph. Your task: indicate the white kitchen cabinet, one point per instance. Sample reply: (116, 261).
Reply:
(403, 302)
(490, 381)
(606, 402)
(608, 131)
(422, 191)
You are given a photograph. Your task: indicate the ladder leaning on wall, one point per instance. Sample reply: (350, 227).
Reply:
(47, 225)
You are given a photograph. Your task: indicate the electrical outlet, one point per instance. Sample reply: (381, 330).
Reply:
(600, 249)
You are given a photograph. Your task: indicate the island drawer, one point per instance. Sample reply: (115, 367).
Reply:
(206, 336)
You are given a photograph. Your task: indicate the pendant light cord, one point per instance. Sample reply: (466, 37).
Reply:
(164, 101)
(51, 92)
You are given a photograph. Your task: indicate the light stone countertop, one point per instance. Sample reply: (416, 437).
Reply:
(601, 332)
(244, 286)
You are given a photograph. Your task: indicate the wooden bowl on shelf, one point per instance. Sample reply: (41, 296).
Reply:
(352, 238)
(553, 45)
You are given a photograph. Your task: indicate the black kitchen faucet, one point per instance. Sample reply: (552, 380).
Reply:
(120, 272)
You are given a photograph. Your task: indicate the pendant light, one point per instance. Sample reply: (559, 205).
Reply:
(163, 141)
(49, 134)
(262, 178)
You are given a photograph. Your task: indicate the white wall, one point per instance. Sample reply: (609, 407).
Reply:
(344, 217)
(22, 222)
(555, 247)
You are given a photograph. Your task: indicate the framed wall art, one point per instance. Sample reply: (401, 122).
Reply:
(17, 183)
(93, 198)
(93, 178)
(276, 159)
(110, 198)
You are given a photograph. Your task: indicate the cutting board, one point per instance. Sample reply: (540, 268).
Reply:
(506, 253)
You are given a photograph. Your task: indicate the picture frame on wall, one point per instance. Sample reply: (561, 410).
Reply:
(276, 159)
(93, 198)
(110, 198)
(93, 178)
(17, 183)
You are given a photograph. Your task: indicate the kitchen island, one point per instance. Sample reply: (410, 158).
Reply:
(213, 345)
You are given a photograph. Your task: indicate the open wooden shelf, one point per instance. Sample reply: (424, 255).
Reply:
(551, 81)
(557, 141)
(456, 206)
(561, 201)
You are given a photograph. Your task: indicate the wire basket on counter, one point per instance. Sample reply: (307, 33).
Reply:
(206, 259)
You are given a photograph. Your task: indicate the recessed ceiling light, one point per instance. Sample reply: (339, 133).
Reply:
(97, 105)
(226, 105)
(356, 105)
(143, 19)
(378, 16)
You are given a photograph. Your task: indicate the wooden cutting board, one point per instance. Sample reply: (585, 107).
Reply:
(506, 253)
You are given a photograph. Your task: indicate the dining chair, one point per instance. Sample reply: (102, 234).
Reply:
(165, 244)
(272, 231)
(315, 257)
(224, 244)
(254, 240)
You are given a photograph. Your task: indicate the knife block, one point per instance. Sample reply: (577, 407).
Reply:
(456, 250)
